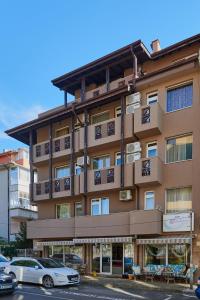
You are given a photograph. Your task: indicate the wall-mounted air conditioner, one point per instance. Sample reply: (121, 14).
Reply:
(125, 195)
(80, 161)
(133, 147)
(132, 157)
(133, 98)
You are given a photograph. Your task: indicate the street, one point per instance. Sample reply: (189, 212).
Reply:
(87, 291)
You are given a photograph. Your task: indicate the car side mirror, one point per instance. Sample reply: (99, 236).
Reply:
(37, 268)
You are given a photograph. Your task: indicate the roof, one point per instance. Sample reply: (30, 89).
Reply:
(21, 132)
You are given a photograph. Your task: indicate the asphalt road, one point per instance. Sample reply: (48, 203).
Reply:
(84, 292)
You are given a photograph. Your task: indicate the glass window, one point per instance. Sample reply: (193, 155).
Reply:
(118, 159)
(152, 149)
(178, 254)
(98, 118)
(152, 98)
(149, 200)
(128, 258)
(78, 169)
(155, 254)
(14, 175)
(118, 111)
(61, 172)
(62, 131)
(96, 258)
(63, 211)
(179, 148)
(101, 162)
(100, 207)
(24, 175)
(78, 209)
(179, 98)
(179, 200)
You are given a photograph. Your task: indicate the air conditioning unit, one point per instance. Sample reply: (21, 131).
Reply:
(125, 195)
(133, 147)
(132, 157)
(130, 109)
(80, 161)
(133, 98)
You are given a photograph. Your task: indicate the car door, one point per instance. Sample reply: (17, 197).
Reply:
(34, 272)
(18, 268)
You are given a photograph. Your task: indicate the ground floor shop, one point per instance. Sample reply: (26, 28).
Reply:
(117, 255)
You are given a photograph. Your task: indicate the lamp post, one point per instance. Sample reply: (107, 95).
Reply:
(191, 265)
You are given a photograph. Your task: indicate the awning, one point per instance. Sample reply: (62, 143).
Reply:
(165, 240)
(55, 243)
(124, 239)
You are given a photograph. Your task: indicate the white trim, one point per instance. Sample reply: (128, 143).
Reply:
(118, 108)
(121, 239)
(100, 206)
(149, 95)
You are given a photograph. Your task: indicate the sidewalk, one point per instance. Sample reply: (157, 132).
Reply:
(133, 284)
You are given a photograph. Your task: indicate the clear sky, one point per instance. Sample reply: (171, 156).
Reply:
(42, 39)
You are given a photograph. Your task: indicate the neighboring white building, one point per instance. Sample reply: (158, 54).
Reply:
(15, 205)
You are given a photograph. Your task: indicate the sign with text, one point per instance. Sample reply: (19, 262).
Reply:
(178, 222)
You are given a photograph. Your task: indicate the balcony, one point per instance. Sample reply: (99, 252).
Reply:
(145, 222)
(107, 132)
(148, 120)
(61, 146)
(107, 179)
(26, 213)
(41, 190)
(51, 228)
(148, 171)
(105, 225)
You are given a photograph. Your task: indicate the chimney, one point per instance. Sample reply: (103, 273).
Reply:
(155, 45)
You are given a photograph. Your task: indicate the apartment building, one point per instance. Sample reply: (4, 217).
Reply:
(15, 204)
(118, 168)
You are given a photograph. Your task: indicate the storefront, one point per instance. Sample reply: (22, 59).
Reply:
(165, 250)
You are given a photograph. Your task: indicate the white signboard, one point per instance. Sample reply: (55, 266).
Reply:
(178, 222)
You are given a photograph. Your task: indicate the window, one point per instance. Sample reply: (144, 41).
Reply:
(149, 200)
(61, 172)
(118, 111)
(100, 206)
(179, 148)
(118, 159)
(179, 200)
(63, 211)
(152, 149)
(155, 254)
(98, 118)
(13, 176)
(101, 162)
(62, 131)
(178, 254)
(24, 175)
(152, 98)
(78, 169)
(179, 97)
(78, 209)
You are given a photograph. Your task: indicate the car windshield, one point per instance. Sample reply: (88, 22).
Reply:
(49, 263)
(3, 259)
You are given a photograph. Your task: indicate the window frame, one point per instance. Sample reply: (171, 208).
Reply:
(57, 211)
(59, 129)
(59, 167)
(98, 114)
(175, 188)
(100, 206)
(175, 137)
(147, 145)
(116, 109)
(173, 87)
(95, 157)
(118, 154)
(151, 94)
(145, 200)
(78, 202)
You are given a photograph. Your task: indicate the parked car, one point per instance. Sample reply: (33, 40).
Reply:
(3, 262)
(45, 271)
(7, 283)
(72, 259)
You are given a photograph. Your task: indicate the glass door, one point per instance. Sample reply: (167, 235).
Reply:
(117, 258)
(106, 258)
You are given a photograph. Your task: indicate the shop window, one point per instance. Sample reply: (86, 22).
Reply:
(178, 254)
(179, 200)
(155, 254)
(63, 211)
(179, 148)
(100, 206)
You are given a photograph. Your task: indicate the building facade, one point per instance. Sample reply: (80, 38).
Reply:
(15, 204)
(118, 168)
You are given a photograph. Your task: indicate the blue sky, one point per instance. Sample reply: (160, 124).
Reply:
(42, 39)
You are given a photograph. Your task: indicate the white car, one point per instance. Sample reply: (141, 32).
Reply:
(45, 271)
(3, 262)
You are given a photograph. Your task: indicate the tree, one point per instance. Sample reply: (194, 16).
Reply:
(21, 238)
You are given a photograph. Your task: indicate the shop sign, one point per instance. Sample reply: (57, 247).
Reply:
(178, 222)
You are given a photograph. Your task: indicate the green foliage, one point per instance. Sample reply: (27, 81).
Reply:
(21, 239)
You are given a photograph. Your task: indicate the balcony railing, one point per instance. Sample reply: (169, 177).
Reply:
(148, 171)
(104, 176)
(146, 115)
(61, 144)
(62, 184)
(146, 167)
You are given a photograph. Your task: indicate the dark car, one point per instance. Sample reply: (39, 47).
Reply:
(69, 259)
(7, 284)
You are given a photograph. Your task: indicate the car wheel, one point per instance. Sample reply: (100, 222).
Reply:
(12, 275)
(47, 282)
